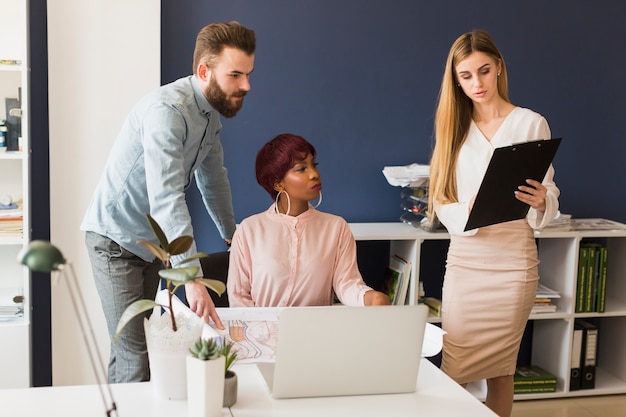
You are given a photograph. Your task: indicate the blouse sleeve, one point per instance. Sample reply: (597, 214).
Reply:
(539, 219)
(347, 280)
(239, 272)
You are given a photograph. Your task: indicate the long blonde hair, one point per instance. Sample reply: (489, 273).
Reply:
(454, 115)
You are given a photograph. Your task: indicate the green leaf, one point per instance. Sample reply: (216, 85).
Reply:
(180, 245)
(158, 232)
(131, 312)
(214, 285)
(156, 250)
(193, 257)
(180, 275)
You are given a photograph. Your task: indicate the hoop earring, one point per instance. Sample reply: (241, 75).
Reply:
(318, 201)
(288, 202)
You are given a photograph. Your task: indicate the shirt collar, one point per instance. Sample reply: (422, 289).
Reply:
(293, 220)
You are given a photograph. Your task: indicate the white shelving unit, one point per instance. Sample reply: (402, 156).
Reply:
(15, 368)
(552, 332)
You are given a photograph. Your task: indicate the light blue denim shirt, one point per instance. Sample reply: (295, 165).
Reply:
(170, 135)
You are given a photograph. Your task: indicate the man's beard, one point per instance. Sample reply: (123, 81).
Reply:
(219, 100)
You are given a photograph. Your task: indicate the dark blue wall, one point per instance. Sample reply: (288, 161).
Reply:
(359, 79)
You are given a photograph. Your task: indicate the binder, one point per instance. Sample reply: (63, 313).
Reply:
(575, 358)
(509, 168)
(589, 352)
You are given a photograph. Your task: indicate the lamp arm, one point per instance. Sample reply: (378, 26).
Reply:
(97, 364)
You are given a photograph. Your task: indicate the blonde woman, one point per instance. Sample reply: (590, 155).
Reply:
(491, 272)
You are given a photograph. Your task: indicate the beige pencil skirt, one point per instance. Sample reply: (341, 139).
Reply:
(489, 289)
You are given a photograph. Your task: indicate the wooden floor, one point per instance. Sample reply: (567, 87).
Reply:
(601, 406)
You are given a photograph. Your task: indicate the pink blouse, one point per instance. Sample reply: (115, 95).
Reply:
(278, 260)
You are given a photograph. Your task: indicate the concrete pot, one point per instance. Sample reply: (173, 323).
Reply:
(230, 389)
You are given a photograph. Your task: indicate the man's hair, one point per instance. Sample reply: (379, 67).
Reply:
(277, 157)
(212, 39)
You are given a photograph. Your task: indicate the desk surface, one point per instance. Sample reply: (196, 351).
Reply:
(436, 395)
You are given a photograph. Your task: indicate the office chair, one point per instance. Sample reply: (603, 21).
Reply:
(215, 266)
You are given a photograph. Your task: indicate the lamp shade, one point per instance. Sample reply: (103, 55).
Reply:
(41, 256)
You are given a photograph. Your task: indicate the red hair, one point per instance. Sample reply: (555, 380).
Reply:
(277, 157)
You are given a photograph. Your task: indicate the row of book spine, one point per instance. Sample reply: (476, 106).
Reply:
(591, 278)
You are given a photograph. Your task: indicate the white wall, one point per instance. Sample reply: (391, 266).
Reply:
(103, 56)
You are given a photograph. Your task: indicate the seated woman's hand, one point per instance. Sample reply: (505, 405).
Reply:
(376, 298)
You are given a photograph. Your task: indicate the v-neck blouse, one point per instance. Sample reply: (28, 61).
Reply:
(520, 125)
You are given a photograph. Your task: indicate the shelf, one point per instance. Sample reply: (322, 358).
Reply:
(11, 68)
(552, 332)
(12, 155)
(11, 240)
(15, 335)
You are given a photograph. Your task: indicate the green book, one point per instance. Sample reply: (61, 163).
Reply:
(535, 389)
(591, 263)
(581, 279)
(602, 254)
(390, 281)
(533, 375)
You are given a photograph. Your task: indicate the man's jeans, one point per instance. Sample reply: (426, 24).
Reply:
(122, 278)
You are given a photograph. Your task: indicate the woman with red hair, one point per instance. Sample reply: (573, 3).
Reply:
(293, 254)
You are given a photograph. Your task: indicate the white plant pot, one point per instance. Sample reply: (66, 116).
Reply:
(205, 387)
(167, 351)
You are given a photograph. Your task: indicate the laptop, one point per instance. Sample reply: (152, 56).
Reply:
(340, 350)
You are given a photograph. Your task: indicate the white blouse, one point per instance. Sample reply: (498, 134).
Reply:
(521, 125)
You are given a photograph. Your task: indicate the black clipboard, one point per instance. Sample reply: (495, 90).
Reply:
(509, 168)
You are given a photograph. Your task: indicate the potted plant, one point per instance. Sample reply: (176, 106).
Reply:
(205, 379)
(230, 377)
(168, 340)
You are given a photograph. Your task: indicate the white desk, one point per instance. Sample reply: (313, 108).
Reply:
(436, 395)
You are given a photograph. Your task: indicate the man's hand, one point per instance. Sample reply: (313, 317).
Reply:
(200, 303)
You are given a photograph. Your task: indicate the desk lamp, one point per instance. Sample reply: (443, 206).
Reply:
(42, 256)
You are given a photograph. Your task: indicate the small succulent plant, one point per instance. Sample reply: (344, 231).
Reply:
(205, 349)
(229, 354)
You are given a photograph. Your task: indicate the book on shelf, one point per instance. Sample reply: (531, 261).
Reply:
(543, 308)
(588, 354)
(533, 379)
(434, 305)
(581, 279)
(390, 281)
(603, 255)
(403, 285)
(534, 389)
(591, 279)
(396, 279)
(543, 300)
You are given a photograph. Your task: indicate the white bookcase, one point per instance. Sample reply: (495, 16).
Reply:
(15, 367)
(552, 332)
